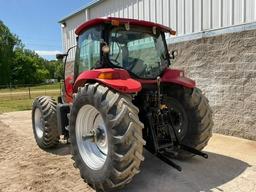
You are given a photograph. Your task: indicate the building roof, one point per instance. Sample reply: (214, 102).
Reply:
(100, 20)
(89, 5)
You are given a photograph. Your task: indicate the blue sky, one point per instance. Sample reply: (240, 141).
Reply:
(36, 21)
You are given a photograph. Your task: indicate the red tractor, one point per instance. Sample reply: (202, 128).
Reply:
(122, 95)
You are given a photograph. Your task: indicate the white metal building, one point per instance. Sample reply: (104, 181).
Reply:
(223, 64)
(184, 16)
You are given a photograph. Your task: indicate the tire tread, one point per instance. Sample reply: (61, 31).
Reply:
(122, 119)
(47, 105)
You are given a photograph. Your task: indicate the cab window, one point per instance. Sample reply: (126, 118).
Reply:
(88, 53)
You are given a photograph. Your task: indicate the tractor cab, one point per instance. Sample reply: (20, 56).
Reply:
(138, 47)
(131, 48)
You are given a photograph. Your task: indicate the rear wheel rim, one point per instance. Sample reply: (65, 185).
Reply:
(179, 121)
(93, 151)
(39, 123)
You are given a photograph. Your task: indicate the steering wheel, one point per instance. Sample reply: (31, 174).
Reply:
(152, 71)
(115, 61)
(133, 64)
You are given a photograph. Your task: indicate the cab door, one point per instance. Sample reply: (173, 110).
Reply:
(69, 81)
(88, 54)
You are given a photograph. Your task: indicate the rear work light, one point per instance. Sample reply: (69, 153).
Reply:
(115, 22)
(172, 32)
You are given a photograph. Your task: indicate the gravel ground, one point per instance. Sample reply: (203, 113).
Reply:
(24, 167)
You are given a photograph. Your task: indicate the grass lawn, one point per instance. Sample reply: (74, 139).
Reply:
(47, 87)
(15, 105)
(18, 99)
(32, 88)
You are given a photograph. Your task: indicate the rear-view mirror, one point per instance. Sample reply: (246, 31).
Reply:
(61, 56)
(173, 54)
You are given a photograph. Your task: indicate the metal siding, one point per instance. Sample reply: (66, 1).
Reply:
(159, 11)
(197, 15)
(185, 16)
(141, 9)
(180, 17)
(173, 13)
(206, 14)
(216, 14)
(130, 9)
(125, 10)
(69, 37)
(147, 10)
(153, 10)
(166, 12)
(135, 10)
(121, 10)
(188, 17)
(237, 12)
(226, 13)
(250, 10)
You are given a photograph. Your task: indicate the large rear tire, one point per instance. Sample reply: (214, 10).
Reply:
(106, 137)
(44, 122)
(192, 119)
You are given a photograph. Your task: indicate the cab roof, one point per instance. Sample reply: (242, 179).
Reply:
(120, 21)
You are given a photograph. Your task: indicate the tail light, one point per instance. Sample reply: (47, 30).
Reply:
(108, 75)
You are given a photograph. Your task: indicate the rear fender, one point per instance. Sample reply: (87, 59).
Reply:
(172, 76)
(177, 76)
(120, 80)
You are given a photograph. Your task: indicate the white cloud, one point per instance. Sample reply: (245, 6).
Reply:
(47, 53)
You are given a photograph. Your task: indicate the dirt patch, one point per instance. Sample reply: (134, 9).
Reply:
(25, 167)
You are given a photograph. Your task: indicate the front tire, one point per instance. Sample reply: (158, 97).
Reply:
(108, 160)
(44, 122)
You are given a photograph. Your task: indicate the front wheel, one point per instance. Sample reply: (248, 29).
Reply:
(106, 137)
(44, 122)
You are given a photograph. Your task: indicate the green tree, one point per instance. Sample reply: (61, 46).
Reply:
(56, 69)
(51, 67)
(28, 68)
(8, 41)
(23, 66)
(59, 71)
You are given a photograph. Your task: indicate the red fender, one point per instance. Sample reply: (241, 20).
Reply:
(121, 81)
(174, 76)
(177, 76)
(117, 79)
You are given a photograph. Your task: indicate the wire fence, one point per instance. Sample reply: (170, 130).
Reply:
(28, 91)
